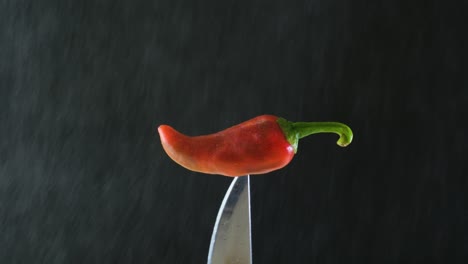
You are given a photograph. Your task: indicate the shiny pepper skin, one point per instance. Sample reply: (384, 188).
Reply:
(256, 146)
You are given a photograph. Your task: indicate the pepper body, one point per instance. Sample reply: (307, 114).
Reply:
(256, 146)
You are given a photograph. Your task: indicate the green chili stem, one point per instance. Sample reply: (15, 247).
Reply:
(297, 130)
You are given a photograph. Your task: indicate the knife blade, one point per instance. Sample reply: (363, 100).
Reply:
(231, 238)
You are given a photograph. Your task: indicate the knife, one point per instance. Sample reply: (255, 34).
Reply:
(231, 239)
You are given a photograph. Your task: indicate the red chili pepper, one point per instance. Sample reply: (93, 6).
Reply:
(257, 146)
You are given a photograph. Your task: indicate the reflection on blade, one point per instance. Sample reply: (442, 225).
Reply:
(230, 241)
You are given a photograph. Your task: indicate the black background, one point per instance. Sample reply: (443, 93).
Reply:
(84, 85)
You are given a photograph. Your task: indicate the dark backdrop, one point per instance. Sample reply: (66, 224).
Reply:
(84, 85)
